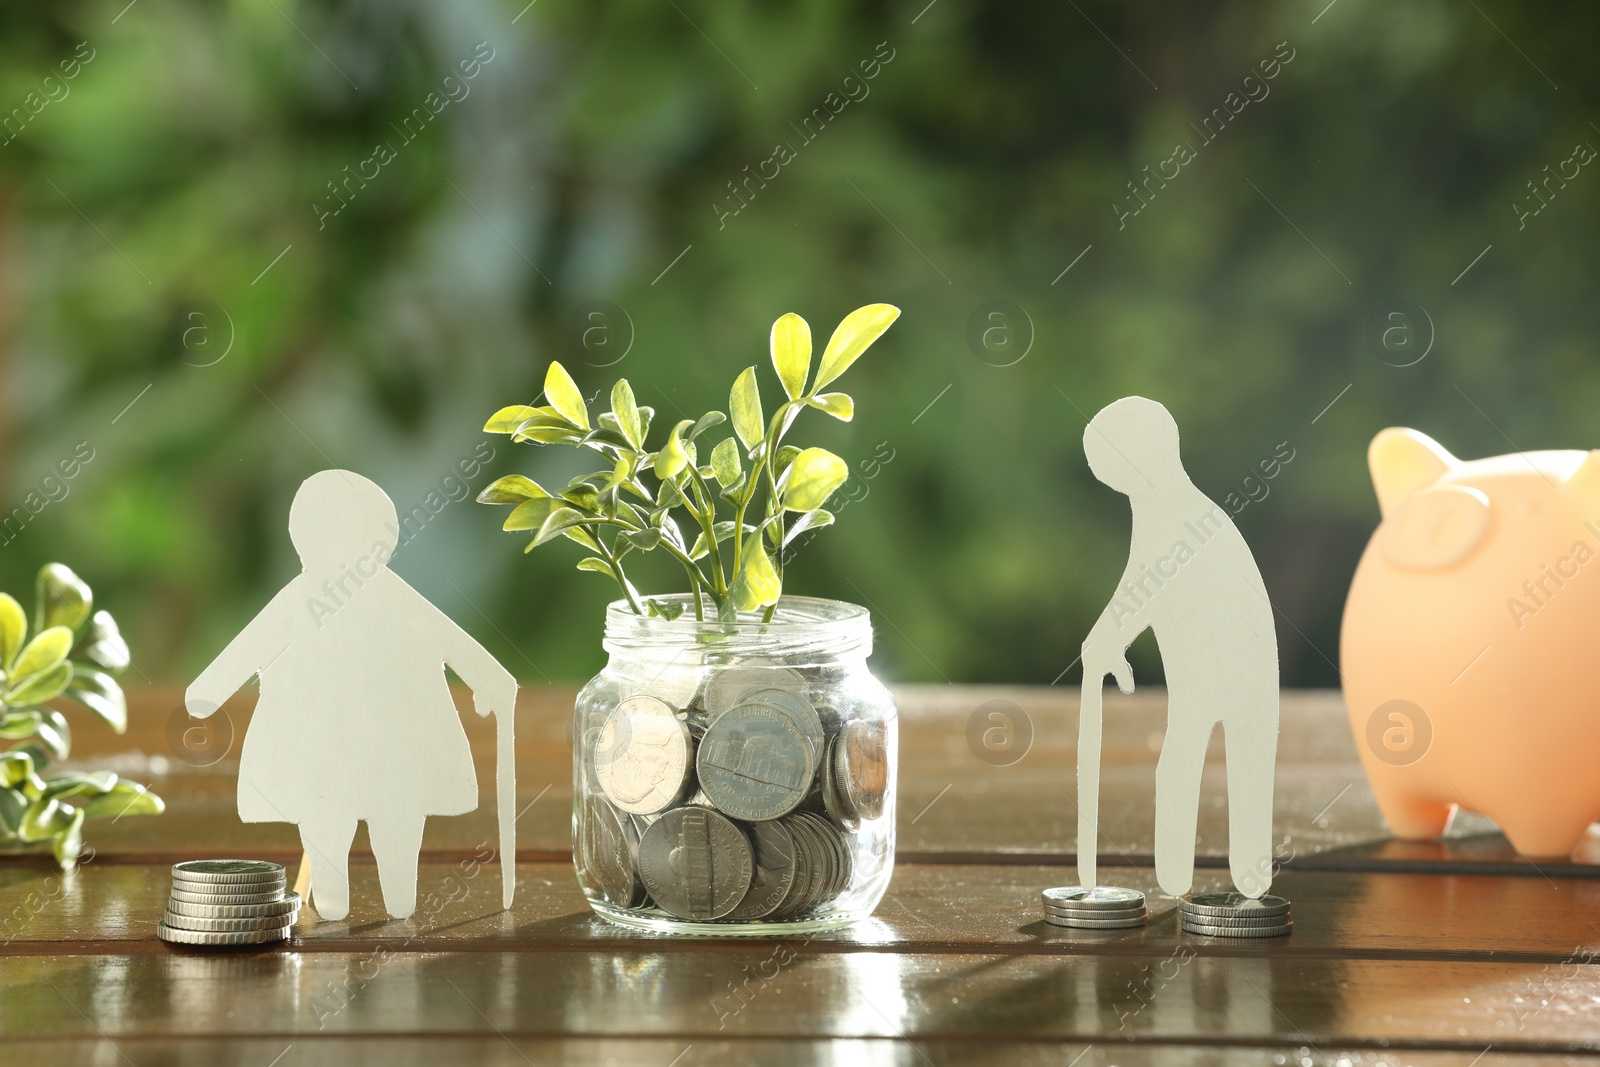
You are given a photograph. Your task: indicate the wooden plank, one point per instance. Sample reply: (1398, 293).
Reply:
(494, 1050)
(766, 991)
(930, 909)
(953, 807)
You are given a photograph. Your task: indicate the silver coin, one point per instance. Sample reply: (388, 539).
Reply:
(287, 906)
(774, 872)
(227, 872)
(219, 895)
(725, 689)
(218, 925)
(838, 859)
(755, 762)
(1232, 904)
(606, 851)
(208, 937)
(861, 767)
(696, 863)
(819, 861)
(807, 869)
(1235, 920)
(1101, 896)
(1237, 931)
(1095, 924)
(1095, 913)
(833, 802)
(799, 709)
(642, 756)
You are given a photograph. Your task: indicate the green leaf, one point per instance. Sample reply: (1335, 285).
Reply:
(61, 598)
(705, 422)
(858, 330)
(725, 462)
(626, 409)
(44, 819)
(839, 405)
(744, 408)
(550, 435)
(644, 540)
(791, 353)
(811, 520)
(784, 457)
(562, 392)
(37, 688)
(15, 767)
(101, 643)
(13, 628)
(596, 564)
(530, 514)
(583, 497)
(69, 843)
(581, 536)
(757, 583)
(13, 805)
(101, 694)
(673, 457)
(666, 609)
(512, 489)
(47, 649)
(79, 783)
(127, 798)
(54, 733)
(558, 521)
(511, 419)
(812, 478)
(15, 724)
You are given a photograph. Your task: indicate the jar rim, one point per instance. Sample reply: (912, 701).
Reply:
(800, 626)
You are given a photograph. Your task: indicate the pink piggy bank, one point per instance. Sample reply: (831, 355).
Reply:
(1470, 646)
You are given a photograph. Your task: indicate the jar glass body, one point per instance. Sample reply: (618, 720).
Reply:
(735, 777)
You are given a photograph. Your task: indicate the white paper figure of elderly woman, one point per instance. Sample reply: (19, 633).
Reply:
(1192, 580)
(355, 720)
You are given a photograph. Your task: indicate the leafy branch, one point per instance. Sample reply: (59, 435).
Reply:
(751, 498)
(74, 653)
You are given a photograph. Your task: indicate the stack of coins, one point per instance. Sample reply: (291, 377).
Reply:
(738, 804)
(1105, 907)
(1234, 915)
(228, 902)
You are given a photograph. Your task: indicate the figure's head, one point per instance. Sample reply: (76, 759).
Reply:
(339, 517)
(1132, 446)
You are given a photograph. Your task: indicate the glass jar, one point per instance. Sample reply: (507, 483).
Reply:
(735, 778)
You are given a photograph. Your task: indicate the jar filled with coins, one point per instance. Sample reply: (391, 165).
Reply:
(735, 777)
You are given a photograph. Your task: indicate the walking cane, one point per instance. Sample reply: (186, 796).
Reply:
(1089, 779)
(506, 802)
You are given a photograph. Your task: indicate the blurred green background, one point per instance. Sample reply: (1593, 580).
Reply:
(178, 297)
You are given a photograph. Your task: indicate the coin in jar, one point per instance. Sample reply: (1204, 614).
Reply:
(607, 854)
(774, 855)
(799, 709)
(755, 763)
(696, 863)
(726, 688)
(642, 756)
(861, 767)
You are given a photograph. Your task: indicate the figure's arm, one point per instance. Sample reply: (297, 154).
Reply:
(493, 688)
(1123, 619)
(263, 639)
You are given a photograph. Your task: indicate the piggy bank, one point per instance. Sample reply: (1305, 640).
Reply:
(1470, 647)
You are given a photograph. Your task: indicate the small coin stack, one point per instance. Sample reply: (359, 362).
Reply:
(1234, 915)
(1105, 907)
(228, 902)
(734, 800)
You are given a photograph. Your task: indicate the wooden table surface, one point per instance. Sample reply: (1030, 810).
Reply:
(1458, 952)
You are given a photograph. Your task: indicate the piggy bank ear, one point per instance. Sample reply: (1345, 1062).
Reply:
(1585, 481)
(1403, 461)
(1437, 527)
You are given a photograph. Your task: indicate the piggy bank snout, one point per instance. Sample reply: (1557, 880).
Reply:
(1436, 528)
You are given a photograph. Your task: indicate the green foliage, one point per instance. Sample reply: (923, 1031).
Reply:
(74, 654)
(619, 510)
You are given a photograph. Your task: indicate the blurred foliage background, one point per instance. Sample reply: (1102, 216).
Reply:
(178, 299)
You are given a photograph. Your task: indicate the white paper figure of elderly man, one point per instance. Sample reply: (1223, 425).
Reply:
(355, 720)
(1192, 580)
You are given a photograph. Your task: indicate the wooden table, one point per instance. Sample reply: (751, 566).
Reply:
(1459, 952)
